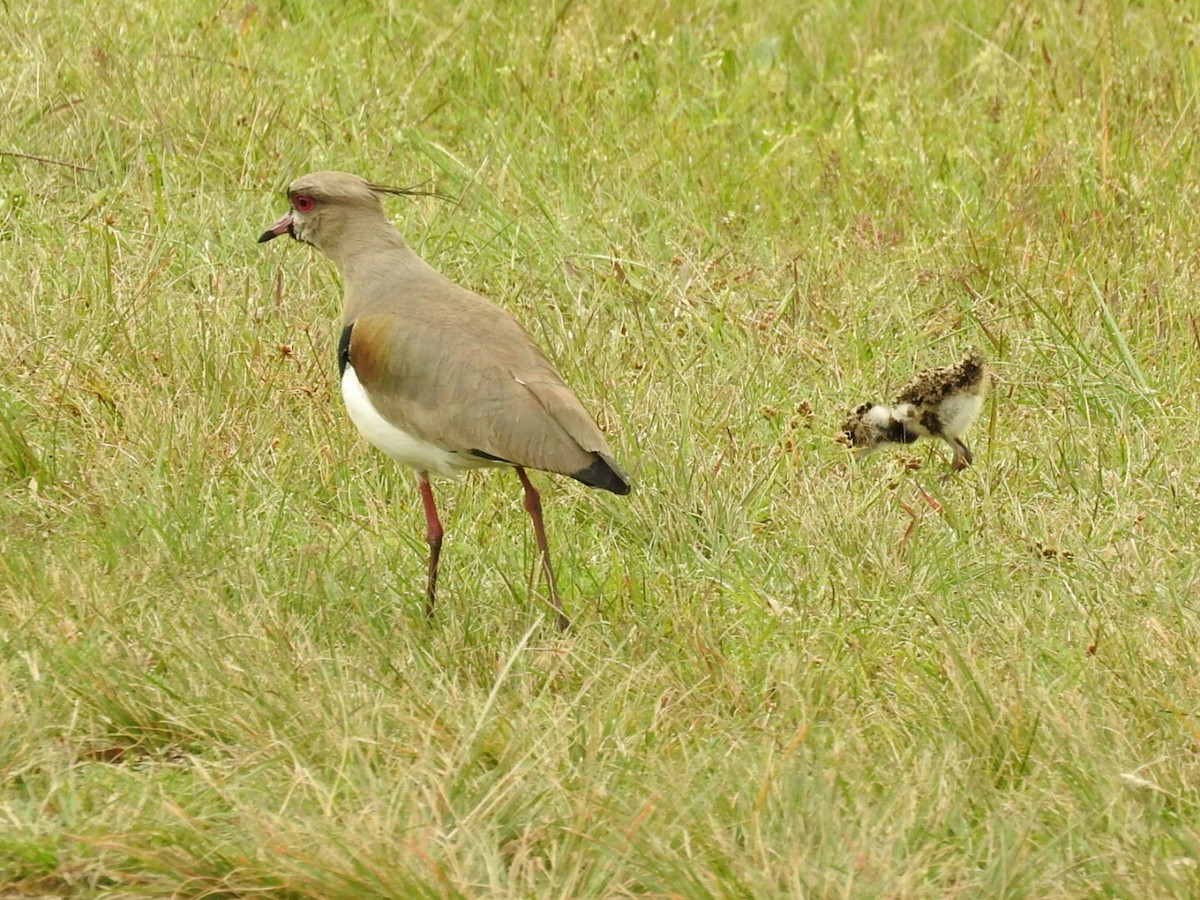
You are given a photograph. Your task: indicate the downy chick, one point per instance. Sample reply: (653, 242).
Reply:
(940, 403)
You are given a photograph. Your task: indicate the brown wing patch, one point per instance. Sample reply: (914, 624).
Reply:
(368, 348)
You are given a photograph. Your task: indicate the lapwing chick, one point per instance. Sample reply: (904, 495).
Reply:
(939, 403)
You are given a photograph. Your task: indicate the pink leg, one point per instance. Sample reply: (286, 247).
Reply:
(433, 537)
(962, 456)
(533, 506)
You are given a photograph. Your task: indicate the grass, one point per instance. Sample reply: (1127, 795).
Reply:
(727, 222)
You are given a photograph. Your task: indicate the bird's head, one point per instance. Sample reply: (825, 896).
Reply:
(863, 428)
(872, 425)
(326, 206)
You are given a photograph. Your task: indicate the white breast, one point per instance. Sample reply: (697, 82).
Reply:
(395, 442)
(959, 413)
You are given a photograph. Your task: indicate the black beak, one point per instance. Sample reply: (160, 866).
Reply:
(283, 226)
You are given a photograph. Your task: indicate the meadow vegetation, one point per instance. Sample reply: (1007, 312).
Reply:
(727, 222)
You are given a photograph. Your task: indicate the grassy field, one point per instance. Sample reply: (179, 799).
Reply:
(728, 223)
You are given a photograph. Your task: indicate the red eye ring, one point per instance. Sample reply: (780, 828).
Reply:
(302, 203)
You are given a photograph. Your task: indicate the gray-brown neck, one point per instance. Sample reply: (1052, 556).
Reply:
(357, 238)
(377, 265)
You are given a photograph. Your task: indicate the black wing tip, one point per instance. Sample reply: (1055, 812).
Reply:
(490, 457)
(601, 474)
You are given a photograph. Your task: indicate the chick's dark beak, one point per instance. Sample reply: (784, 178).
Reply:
(283, 226)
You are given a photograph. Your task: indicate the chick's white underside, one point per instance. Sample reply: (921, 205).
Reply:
(956, 415)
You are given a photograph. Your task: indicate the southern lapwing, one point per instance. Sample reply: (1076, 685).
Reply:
(434, 375)
(940, 403)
